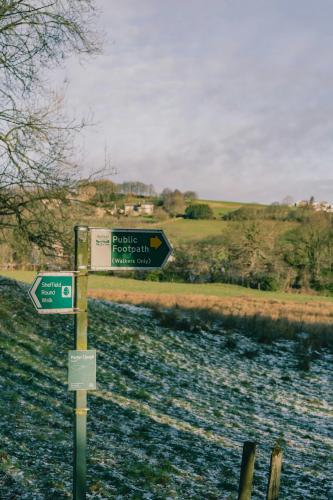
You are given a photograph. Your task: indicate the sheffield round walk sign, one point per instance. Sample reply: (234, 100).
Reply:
(128, 249)
(53, 293)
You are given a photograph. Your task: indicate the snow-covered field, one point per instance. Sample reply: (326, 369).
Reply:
(172, 410)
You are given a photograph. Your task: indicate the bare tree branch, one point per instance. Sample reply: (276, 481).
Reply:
(37, 174)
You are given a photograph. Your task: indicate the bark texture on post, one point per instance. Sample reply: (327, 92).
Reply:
(247, 469)
(273, 488)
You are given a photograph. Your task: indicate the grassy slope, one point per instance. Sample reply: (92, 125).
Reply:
(171, 413)
(184, 230)
(221, 208)
(156, 288)
(178, 230)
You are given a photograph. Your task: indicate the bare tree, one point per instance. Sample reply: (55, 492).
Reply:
(36, 173)
(190, 196)
(288, 200)
(174, 202)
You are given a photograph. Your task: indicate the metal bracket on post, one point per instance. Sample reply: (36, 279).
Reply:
(81, 343)
(81, 411)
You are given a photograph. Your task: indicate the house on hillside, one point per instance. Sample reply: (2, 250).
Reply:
(131, 209)
(302, 204)
(138, 209)
(324, 206)
(147, 208)
(317, 206)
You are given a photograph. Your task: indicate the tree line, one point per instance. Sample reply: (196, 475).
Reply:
(262, 254)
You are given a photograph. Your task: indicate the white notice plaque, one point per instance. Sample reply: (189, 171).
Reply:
(100, 249)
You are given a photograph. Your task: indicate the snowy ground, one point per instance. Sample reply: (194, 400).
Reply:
(170, 416)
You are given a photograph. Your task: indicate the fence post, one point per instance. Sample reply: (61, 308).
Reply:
(247, 469)
(273, 487)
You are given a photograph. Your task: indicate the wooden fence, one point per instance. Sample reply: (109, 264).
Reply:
(247, 471)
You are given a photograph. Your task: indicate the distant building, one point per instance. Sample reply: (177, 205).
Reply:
(302, 203)
(147, 209)
(317, 206)
(138, 209)
(325, 206)
(130, 209)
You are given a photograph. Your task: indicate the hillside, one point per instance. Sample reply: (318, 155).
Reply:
(264, 314)
(179, 230)
(172, 410)
(221, 208)
(270, 248)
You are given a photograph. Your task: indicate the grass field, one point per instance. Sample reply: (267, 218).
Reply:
(171, 413)
(221, 208)
(180, 231)
(117, 284)
(265, 315)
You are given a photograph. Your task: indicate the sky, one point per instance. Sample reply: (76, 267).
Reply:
(229, 98)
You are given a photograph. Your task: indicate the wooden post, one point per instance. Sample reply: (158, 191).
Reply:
(81, 343)
(273, 487)
(247, 469)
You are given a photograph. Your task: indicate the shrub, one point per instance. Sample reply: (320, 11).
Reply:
(265, 282)
(199, 211)
(244, 213)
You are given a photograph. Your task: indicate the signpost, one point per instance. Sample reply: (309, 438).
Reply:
(128, 249)
(80, 344)
(66, 293)
(53, 293)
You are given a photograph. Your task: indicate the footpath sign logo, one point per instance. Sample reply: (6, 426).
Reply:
(53, 293)
(128, 249)
(82, 370)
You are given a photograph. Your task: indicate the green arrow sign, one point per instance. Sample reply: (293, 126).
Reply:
(128, 249)
(53, 293)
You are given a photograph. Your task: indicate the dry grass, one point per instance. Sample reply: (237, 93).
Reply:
(266, 319)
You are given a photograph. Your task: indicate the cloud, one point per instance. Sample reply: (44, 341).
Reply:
(232, 99)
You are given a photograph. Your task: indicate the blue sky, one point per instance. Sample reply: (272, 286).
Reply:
(230, 98)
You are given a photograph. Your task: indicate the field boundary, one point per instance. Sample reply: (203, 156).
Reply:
(267, 320)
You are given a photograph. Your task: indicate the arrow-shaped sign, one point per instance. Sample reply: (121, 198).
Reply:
(32, 292)
(127, 249)
(53, 293)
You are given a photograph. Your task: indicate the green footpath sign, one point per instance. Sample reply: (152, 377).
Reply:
(82, 370)
(53, 293)
(127, 249)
